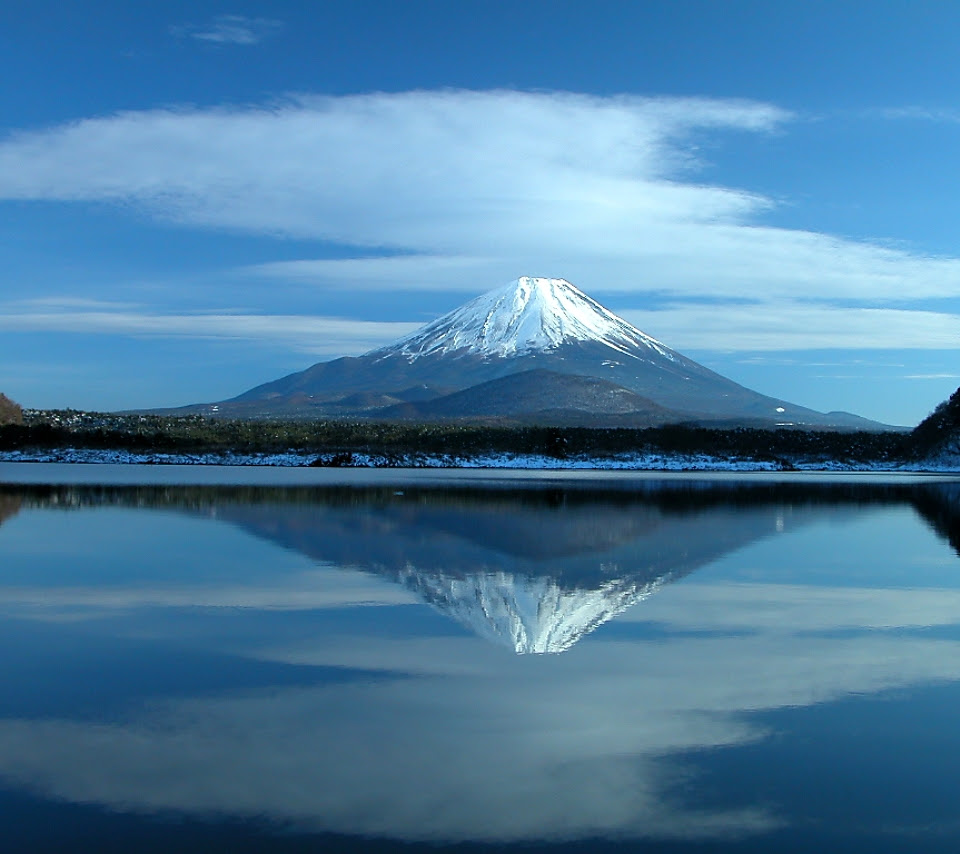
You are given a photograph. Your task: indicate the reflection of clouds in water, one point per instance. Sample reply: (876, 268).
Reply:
(500, 747)
(794, 608)
(417, 761)
(304, 591)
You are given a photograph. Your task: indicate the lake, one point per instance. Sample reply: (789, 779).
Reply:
(211, 659)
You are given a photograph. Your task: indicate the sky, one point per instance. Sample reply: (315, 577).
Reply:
(199, 197)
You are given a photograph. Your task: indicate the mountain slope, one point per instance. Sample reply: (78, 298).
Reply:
(537, 392)
(937, 437)
(532, 324)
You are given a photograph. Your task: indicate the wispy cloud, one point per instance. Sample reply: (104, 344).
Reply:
(316, 335)
(919, 113)
(932, 377)
(505, 176)
(230, 29)
(464, 190)
(786, 325)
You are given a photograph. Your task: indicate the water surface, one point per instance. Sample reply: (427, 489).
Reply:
(377, 661)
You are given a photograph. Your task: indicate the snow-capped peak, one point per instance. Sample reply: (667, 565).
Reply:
(530, 314)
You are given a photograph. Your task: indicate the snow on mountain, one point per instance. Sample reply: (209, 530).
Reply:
(528, 315)
(529, 614)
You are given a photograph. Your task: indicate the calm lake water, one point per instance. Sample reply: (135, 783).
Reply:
(238, 660)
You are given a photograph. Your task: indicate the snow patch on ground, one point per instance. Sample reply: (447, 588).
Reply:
(627, 462)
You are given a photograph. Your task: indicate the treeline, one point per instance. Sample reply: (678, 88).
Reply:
(194, 434)
(940, 430)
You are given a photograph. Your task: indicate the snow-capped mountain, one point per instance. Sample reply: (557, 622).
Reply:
(531, 324)
(526, 316)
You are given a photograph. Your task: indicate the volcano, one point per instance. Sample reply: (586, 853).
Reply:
(537, 350)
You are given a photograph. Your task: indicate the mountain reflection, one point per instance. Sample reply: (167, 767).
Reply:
(533, 572)
(9, 506)
(531, 569)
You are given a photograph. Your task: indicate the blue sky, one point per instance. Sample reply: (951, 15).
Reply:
(199, 197)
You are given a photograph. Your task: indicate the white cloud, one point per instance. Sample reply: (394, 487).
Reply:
(685, 259)
(317, 335)
(949, 115)
(789, 325)
(230, 29)
(466, 190)
(931, 376)
(419, 171)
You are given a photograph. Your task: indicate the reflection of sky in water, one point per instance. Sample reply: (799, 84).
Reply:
(892, 550)
(171, 660)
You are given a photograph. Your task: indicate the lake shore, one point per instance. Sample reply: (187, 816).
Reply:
(640, 462)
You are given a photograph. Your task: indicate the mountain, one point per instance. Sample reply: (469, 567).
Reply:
(594, 368)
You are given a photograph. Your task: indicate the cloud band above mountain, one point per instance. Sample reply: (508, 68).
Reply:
(476, 187)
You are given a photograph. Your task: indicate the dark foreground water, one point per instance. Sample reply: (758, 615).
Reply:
(394, 662)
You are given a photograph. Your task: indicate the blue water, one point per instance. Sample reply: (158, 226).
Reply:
(397, 662)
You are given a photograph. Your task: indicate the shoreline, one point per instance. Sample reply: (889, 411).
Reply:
(649, 462)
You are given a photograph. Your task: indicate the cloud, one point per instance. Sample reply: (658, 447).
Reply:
(791, 325)
(479, 174)
(947, 115)
(797, 609)
(230, 29)
(463, 190)
(931, 376)
(684, 259)
(308, 591)
(317, 335)
(417, 171)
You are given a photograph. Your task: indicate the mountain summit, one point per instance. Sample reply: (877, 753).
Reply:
(528, 315)
(537, 350)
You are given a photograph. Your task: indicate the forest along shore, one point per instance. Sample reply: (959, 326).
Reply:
(72, 436)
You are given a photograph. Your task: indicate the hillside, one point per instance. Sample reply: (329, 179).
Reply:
(938, 435)
(540, 395)
(10, 412)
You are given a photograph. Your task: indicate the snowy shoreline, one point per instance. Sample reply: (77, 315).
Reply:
(627, 462)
